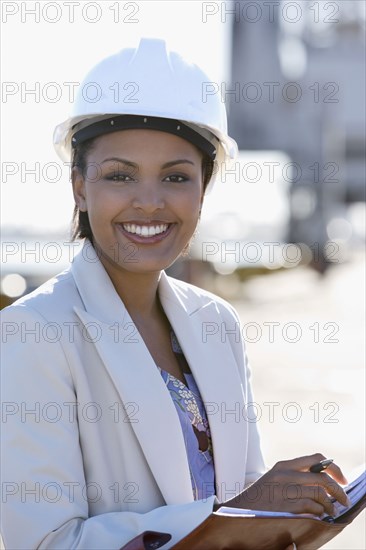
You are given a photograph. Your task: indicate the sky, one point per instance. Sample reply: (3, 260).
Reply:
(46, 45)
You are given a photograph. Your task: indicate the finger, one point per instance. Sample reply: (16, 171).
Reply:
(319, 495)
(324, 499)
(335, 490)
(337, 474)
(297, 480)
(304, 463)
(327, 482)
(308, 499)
(307, 506)
(291, 547)
(301, 463)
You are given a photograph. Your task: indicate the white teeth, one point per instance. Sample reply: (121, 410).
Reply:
(144, 230)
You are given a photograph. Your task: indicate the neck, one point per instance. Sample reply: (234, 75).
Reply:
(138, 291)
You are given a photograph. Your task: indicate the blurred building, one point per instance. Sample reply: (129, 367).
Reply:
(298, 85)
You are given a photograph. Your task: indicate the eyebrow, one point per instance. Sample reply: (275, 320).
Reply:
(134, 165)
(179, 161)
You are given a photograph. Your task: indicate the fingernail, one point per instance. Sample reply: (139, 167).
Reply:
(349, 503)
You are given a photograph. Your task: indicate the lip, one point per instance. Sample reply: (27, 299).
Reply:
(133, 237)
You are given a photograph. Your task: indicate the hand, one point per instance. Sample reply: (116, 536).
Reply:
(290, 487)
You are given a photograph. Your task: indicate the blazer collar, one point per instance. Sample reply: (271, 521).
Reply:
(95, 287)
(90, 276)
(138, 380)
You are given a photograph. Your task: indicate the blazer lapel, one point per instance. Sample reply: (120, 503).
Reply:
(136, 377)
(216, 373)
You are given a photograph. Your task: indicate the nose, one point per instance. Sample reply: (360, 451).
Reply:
(148, 197)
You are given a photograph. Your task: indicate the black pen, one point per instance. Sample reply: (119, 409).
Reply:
(320, 466)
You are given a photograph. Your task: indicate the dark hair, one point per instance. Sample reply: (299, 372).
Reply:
(80, 226)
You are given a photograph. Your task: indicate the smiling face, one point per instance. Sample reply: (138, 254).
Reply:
(143, 192)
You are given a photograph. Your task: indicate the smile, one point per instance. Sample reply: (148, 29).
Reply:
(144, 230)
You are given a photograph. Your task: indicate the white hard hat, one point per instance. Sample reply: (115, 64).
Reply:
(152, 83)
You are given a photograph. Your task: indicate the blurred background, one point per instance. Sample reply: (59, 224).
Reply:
(281, 237)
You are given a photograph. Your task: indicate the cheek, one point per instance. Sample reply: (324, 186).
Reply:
(191, 214)
(193, 201)
(99, 200)
(189, 207)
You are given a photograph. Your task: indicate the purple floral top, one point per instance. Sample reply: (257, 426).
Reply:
(195, 427)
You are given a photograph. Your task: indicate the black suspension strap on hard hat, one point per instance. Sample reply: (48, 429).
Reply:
(130, 122)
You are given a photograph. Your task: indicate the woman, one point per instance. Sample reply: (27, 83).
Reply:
(119, 393)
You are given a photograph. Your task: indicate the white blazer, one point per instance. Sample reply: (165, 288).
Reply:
(92, 451)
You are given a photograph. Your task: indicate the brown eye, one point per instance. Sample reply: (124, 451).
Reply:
(119, 177)
(176, 178)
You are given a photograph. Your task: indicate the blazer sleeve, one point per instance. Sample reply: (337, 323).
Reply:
(41, 458)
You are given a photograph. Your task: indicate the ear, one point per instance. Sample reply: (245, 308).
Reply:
(78, 187)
